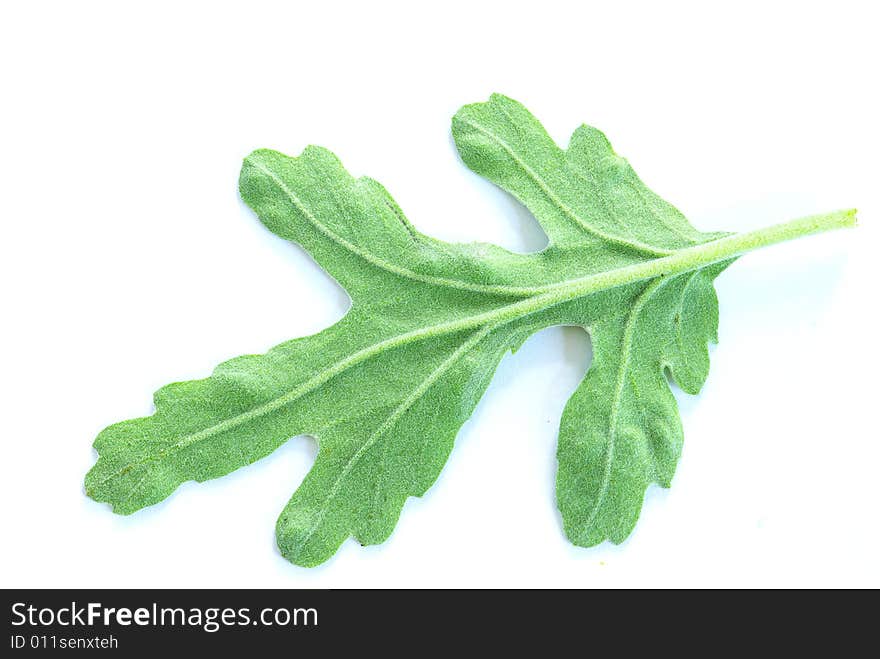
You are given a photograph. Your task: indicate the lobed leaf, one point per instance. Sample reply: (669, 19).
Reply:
(386, 389)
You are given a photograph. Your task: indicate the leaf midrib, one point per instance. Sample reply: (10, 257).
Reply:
(687, 259)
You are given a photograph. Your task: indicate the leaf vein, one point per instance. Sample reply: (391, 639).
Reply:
(568, 212)
(392, 419)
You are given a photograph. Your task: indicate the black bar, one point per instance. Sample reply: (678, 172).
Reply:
(387, 622)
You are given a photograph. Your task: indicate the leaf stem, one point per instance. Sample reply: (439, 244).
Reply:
(699, 256)
(683, 260)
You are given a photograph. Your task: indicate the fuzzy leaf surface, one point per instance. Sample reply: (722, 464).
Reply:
(386, 389)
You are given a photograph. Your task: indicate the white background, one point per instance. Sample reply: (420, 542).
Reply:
(128, 261)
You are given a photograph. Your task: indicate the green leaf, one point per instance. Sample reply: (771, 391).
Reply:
(386, 389)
